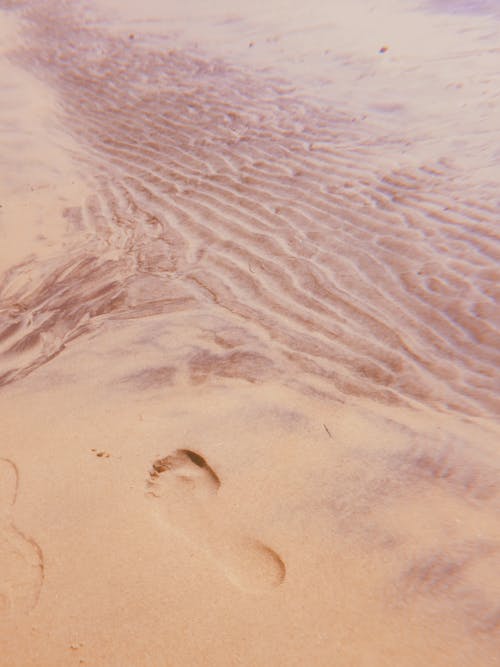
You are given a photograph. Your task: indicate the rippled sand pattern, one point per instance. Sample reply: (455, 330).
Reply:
(214, 190)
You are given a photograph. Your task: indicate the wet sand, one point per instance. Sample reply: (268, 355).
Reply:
(248, 335)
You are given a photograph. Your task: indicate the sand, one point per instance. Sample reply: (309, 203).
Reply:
(249, 334)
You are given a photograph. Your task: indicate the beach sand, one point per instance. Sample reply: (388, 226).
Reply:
(249, 334)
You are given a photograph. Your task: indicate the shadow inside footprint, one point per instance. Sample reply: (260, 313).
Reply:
(188, 465)
(183, 483)
(21, 562)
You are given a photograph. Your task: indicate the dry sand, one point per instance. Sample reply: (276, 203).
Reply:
(249, 334)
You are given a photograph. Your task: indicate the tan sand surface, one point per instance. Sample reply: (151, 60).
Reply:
(249, 334)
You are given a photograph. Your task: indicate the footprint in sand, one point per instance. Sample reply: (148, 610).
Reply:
(184, 487)
(21, 561)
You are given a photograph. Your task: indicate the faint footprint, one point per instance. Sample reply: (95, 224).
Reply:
(185, 486)
(21, 561)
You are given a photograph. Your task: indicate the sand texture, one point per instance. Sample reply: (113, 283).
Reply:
(249, 334)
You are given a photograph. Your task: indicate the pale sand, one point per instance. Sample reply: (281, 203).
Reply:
(248, 396)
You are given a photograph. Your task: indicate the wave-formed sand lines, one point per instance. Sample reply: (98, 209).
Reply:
(368, 281)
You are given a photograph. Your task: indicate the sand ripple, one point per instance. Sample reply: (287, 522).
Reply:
(216, 190)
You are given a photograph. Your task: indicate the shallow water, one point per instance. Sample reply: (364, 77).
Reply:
(221, 195)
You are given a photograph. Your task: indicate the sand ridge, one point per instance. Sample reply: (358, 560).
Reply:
(214, 189)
